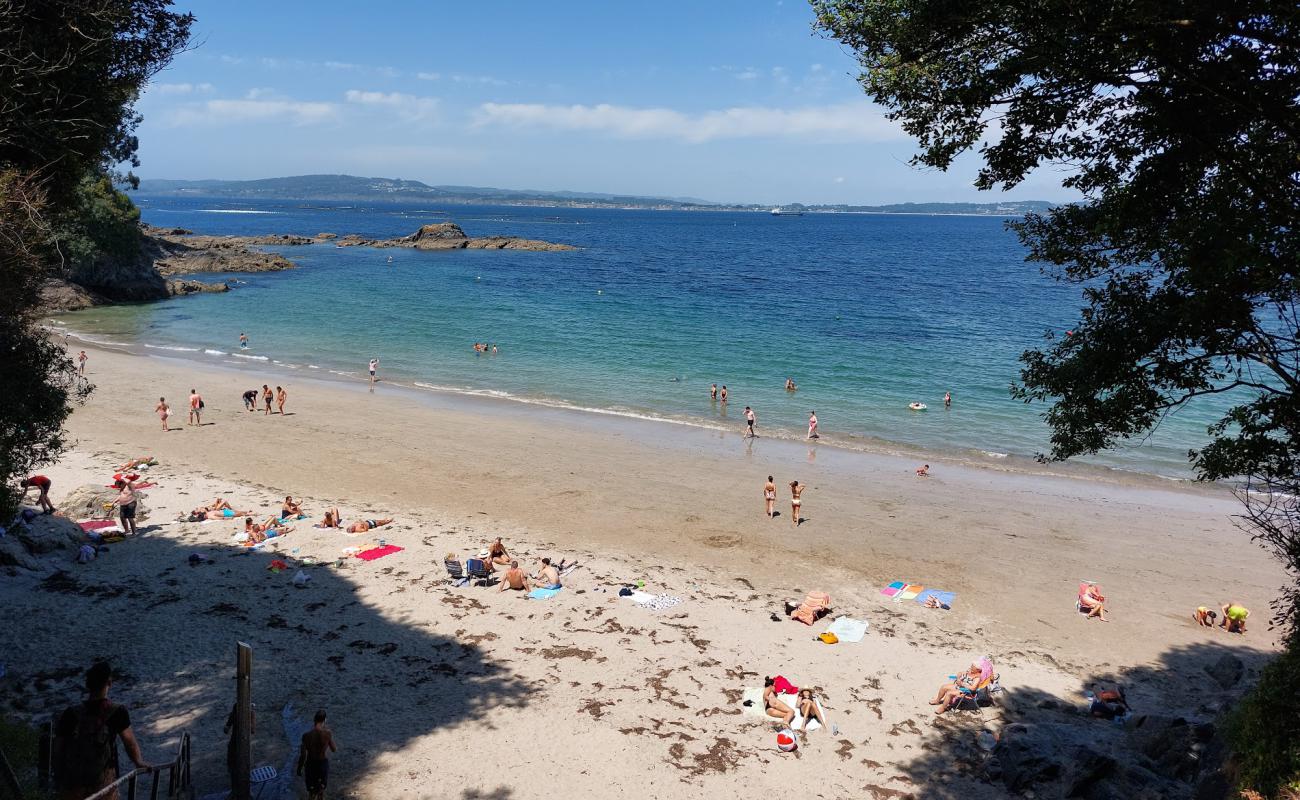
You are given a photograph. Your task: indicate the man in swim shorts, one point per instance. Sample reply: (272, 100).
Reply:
(374, 367)
(43, 484)
(749, 423)
(314, 757)
(1234, 617)
(196, 407)
(514, 579)
(549, 576)
(250, 399)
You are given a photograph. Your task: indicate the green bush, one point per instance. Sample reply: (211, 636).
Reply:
(20, 744)
(1264, 730)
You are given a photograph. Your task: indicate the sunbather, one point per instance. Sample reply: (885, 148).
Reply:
(290, 510)
(964, 685)
(332, 519)
(808, 709)
(497, 553)
(363, 525)
(549, 577)
(514, 579)
(1093, 601)
(773, 705)
(200, 514)
(260, 533)
(217, 505)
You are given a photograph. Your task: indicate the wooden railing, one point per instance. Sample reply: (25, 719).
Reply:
(131, 786)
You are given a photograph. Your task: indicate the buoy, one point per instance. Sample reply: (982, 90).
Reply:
(600, 291)
(917, 406)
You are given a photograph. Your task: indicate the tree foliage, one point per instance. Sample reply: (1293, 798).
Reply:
(69, 73)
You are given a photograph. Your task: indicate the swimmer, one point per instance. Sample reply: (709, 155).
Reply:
(923, 471)
(947, 399)
(361, 526)
(769, 497)
(796, 491)
(243, 341)
(789, 385)
(713, 391)
(494, 350)
(812, 425)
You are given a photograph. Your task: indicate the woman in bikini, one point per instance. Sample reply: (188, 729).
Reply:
(363, 525)
(769, 497)
(280, 396)
(795, 491)
(497, 553)
(773, 705)
(963, 685)
(809, 710)
(163, 412)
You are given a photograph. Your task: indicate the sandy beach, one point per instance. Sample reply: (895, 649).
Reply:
(442, 691)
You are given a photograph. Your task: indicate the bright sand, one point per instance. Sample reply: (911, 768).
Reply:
(434, 690)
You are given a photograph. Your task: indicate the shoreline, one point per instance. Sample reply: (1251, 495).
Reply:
(972, 458)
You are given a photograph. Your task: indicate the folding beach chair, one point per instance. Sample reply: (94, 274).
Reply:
(1084, 586)
(980, 696)
(478, 571)
(455, 573)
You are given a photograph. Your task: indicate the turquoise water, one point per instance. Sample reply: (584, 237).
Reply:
(865, 313)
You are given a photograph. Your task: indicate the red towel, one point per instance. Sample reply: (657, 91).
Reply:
(97, 524)
(784, 686)
(378, 552)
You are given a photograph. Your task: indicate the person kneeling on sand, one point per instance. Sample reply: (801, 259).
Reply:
(549, 577)
(363, 525)
(514, 579)
(772, 703)
(1204, 617)
(1234, 617)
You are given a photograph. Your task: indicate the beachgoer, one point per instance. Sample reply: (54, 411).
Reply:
(290, 510)
(250, 399)
(947, 399)
(201, 514)
(85, 740)
(723, 394)
(81, 363)
(1204, 617)
(769, 497)
(332, 519)
(1234, 617)
(514, 579)
(796, 490)
(41, 483)
(243, 341)
(923, 471)
(1093, 601)
(963, 685)
(280, 396)
(809, 710)
(812, 425)
(498, 554)
(267, 397)
(494, 349)
(196, 408)
(229, 729)
(314, 757)
(749, 423)
(713, 391)
(374, 367)
(772, 703)
(163, 412)
(143, 461)
(126, 503)
(789, 385)
(549, 575)
(363, 525)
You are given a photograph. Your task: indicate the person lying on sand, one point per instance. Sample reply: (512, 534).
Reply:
(363, 525)
(143, 461)
(260, 533)
(809, 709)
(514, 579)
(332, 519)
(963, 685)
(549, 577)
(217, 505)
(773, 705)
(1094, 602)
(497, 553)
(290, 510)
(200, 514)
(1234, 617)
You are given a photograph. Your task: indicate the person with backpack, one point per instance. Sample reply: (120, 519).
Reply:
(85, 740)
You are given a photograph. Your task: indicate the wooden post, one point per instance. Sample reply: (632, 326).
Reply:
(243, 721)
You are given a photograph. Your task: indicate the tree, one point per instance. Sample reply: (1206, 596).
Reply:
(69, 73)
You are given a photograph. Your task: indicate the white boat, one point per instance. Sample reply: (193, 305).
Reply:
(781, 212)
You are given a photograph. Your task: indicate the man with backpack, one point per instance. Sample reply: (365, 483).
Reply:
(85, 740)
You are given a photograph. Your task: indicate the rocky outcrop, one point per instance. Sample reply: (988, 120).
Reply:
(324, 235)
(179, 254)
(25, 542)
(450, 236)
(61, 295)
(184, 286)
(88, 500)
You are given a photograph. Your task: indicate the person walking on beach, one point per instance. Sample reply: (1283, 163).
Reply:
(314, 757)
(85, 740)
(267, 397)
(796, 492)
(374, 367)
(196, 408)
(947, 400)
(81, 364)
(250, 400)
(749, 423)
(43, 484)
(812, 425)
(126, 503)
(280, 396)
(163, 412)
(713, 392)
(243, 341)
(769, 497)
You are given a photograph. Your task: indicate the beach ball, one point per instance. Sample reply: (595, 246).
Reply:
(785, 742)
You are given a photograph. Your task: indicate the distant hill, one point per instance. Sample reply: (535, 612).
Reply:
(355, 189)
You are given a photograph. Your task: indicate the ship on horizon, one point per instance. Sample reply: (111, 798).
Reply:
(781, 212)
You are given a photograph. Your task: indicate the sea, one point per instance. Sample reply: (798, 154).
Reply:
(866, 313)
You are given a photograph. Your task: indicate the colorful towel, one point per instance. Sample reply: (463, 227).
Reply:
(944, 598)
(378, 552)
(909, 592)
(543, 594)
(848, 630)
(893, 588)
(89, 525)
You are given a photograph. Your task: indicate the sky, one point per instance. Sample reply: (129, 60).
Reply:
(725, 101)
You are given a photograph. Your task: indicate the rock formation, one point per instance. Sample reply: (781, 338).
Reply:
(450, 236)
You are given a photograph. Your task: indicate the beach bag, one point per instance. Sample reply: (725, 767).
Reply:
(201, 404)
(829, 638)
(89, 757)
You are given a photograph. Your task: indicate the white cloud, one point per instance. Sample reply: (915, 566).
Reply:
(485, 80)
(428, 76)
(850, 121)
(178, 88)
(407, 106)
(747, 75)
(816, 68)
(840, 179)
(258, 106)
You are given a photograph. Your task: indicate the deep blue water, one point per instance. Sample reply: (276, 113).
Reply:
(866, 313)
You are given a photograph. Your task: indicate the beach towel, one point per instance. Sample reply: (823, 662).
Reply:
(639, 597)
(660, 602)
(797, 722)
(909, 592)
(815, 605)
(754, 694)
(543, 594)
(848, 630)
(893, 588)
(378, 552)
(944, 598)
(89, 525)
(756, 709)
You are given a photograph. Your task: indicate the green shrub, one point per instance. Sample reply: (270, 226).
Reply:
(1264, 730)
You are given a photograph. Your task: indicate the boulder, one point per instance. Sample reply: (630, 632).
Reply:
(48, 533)
(185, 286)
(14, 554)
(60, 295)
(1171, 743)
(440, 230)
(1027, 755)
(323, 235)
(88, 501)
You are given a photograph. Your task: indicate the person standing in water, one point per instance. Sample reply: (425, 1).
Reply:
(724, 394)
(713, 392)
(812, 425)
(947, 400)
(163, 412)
(750, 419)
(374, 367)
(796, 492)
(243, 341)
(769, 497)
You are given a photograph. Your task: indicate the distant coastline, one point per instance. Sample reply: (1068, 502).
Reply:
(350, 188)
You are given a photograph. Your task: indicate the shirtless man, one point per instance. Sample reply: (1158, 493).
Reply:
(250, 399)
(314, 757)
(196, 407)
(332, 519)
(363, 525)
(497, 553)
(280, 396)
(750, 419)
(41, 483)
(81, 363)
(289, 509)
(549, 576)
(267, 397)
(514, 579)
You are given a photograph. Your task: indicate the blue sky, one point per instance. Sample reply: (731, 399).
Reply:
(726, 101)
